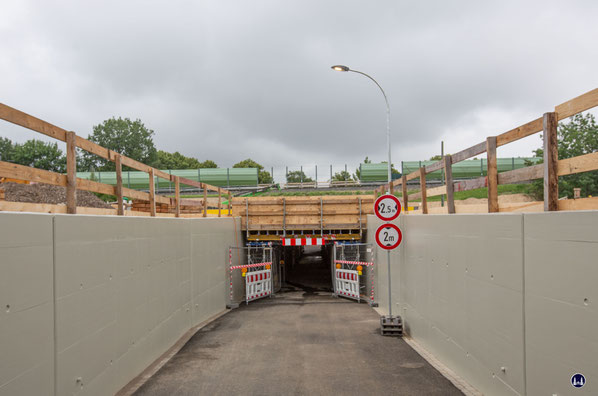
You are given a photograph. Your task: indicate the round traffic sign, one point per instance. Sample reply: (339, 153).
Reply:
(388, 236)
(387, 207)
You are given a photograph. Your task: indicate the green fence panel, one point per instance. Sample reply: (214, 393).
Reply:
(220, 177)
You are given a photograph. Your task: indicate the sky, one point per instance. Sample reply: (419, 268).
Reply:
(229, 80)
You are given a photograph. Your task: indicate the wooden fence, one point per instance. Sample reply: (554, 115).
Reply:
(72, 183)
(550, 170)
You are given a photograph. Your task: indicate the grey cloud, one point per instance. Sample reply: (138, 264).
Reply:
(229, 80)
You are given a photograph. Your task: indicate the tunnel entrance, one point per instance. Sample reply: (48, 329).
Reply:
(307, 267)
(343, 269)
(326, 268)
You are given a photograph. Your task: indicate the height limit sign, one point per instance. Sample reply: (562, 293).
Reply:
(388, 208)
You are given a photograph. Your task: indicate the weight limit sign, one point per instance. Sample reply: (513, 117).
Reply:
(387, 207)
(388, 236)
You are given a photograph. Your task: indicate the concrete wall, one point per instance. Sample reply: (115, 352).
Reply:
(506, 301)
(88, 302)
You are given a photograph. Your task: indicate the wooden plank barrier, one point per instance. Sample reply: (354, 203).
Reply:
(70, 180)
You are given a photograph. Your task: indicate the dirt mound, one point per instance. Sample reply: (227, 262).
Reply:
(46, 193)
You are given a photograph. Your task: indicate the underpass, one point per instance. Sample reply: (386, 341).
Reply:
(302, 341)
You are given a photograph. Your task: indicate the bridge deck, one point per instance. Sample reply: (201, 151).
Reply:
(272, 217)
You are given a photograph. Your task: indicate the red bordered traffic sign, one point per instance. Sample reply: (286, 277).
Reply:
(387, 207)
(388, 236)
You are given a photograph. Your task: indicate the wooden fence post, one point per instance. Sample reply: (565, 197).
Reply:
(177, 196)
(205, 200)
(450, 187)
(219, 202)
(551, 162)
(230, 204)
(119, 185)
(391, 188)
(422, 183)
(492, 175)
(405, 195)
(152, 188)
(71, 173)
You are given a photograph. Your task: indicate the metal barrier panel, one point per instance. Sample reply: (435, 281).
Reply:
(347, 284)
(357, 259)
(246, 265)
(258, 284)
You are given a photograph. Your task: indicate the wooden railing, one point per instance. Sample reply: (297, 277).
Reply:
(72, 183)
(550, 170)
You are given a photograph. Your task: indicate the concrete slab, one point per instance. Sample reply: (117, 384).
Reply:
(299, 342)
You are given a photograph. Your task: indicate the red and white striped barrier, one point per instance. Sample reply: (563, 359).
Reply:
(303, 241)
(251, 265)
(230, 274)
(347, 283)
(365, 264)
(258, 284)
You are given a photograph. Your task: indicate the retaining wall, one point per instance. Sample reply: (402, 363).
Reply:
(507, 301)
(88, 302)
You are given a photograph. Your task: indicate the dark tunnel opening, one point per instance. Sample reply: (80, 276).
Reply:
(307, 267)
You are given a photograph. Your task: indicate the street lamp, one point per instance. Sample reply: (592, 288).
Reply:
(343, 68)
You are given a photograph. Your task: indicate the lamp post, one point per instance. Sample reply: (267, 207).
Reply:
(343, 68)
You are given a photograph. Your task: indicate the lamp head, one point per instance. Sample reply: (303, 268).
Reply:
(340, 68)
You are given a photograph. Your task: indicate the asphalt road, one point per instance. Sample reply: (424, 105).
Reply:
(301, 342)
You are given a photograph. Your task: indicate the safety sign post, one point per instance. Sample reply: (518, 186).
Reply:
(388, 236)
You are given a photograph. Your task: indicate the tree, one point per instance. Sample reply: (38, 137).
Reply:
(342, 176)
(130, 138)
(6, 149)
(175, 160)
(37, 154)
(578, 137)
(436, 158)
(208, 164)
(264, 177)
(357, 174)
(395, 173)
(298, 177)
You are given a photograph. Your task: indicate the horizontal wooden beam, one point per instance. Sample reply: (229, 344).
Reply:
(432, 192)
(94, 186)
(17, 117)
(191, 202)
(311, 226)
(577, 105)
(240, 201)
(522, 174)
(22, 172)
(472, 151)
(582, 163)
(434, 167)
(520, 132)
(304, 213)
(578, 204)
(413, 175)
(93, 148)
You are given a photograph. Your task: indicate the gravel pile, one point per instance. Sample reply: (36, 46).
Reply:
(46, 193)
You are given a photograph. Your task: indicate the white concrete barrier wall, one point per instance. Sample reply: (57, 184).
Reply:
(507, 301)
(88, 302)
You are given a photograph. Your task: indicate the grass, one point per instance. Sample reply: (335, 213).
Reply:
(459, 195)
(308, 193)
(504, 189)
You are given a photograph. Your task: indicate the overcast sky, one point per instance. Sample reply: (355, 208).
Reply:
(227, 80)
